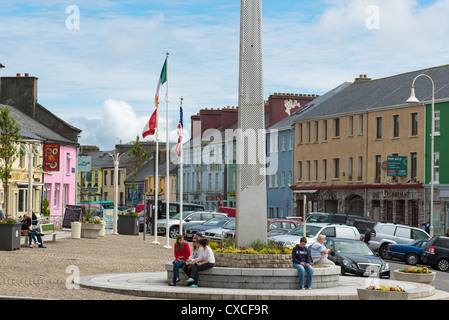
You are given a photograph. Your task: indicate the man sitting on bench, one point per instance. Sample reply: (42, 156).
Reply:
(32, 234)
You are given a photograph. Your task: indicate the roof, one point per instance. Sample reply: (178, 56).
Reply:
(33, 129)
(286, 123)
(378, 94)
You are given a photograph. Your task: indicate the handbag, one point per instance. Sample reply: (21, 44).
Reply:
(24, 233)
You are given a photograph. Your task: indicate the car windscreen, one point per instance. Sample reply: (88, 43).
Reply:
(214, 222)
(353, 247)
(311, 231)
(229, 225)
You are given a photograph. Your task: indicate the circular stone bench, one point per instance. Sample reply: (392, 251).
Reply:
(259, 278)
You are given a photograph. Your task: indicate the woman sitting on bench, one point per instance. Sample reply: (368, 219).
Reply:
(32, 234)
(205, 260)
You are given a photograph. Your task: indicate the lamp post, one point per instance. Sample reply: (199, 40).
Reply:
(414, 100)
(116, 158)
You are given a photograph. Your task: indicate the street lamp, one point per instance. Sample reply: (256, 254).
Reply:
(414, 100)
(116, 158)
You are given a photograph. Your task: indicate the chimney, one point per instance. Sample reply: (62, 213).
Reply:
(362, 78)
(20, 92)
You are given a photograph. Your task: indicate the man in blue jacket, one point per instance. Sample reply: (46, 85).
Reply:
(301, 262)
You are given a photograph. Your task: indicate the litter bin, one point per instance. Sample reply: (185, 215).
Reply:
(76, 230)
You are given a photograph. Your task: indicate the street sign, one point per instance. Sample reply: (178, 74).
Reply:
(396, 166)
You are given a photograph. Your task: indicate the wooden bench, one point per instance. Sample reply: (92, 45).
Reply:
(49, 229)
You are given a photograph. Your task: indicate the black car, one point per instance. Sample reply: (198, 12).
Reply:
(356, 258)
(436, 253)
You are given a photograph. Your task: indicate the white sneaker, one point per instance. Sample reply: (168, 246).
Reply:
(31, 245)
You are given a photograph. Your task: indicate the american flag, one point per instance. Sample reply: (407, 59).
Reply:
(180, 128)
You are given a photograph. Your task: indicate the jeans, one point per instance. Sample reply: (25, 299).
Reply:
(32, 236)
(301, 271)
(176, 265)
(196, 268)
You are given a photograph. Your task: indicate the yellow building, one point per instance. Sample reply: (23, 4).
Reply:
(342, 145)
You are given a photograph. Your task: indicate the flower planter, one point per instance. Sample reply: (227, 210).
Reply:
(426, 278)
(90, 230)
(365, 294)
(128, 225)
(10, 236)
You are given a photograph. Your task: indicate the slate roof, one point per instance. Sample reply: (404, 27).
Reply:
(389, 92)
(33, 129)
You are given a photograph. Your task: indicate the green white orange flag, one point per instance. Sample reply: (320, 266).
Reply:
(150, 126)
(162, 80)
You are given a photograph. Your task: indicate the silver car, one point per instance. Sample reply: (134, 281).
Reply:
(189, 218)
(218, 233)
(385, 233)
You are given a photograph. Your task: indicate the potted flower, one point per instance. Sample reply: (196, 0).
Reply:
(415, 274)
(91, 225)
(380, 292)
(128, 223)
(9, 234)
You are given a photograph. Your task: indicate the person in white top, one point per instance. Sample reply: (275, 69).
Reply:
(205, 260)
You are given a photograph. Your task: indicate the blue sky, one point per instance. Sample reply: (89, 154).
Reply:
(102, 77)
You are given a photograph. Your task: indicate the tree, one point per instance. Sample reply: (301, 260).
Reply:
(9, 149)
(138, 156)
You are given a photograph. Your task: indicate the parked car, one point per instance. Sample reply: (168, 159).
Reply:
(322, 217)
(272, 223)
(278, 231)
(386, 233)
(313, 230)
(189, 218)
(213, 223)
(364, 226)
(356, 258)
(436, 253)
(217, 234)
(410, 253)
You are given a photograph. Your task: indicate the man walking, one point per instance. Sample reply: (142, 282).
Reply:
(301, 262)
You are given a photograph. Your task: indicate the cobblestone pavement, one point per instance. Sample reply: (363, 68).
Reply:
(42, 272)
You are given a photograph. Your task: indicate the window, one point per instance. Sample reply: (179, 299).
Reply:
(276, 180)
(413, 165)
(436, 167)
(437, 122)
(283, 143)
(324, 169)
(336, 127)
(350, 161)
(350, 126)
(270, 181)
(360, 124)
(68, 158)
(283, 179)
(315, 131)
(112, 177)
(396, 126)
(56, 197)
(308, 170)
(379, 128)
(335, 168)
(299, 169)
(290, 179)
(324, 130)
(299, 134)
(290, 146)
(105, 178)
(413, 124)
(308, 132)
(360, 168)
(402, 232)
(315, 170)
(378, 167)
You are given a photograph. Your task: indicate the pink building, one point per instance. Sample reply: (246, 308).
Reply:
(60, 186)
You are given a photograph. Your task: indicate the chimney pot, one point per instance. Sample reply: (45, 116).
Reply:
(18, 75)
(27, 74)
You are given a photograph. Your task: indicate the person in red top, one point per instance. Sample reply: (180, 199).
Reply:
(182, 254)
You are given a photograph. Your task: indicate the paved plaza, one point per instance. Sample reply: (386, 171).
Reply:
(120, 267)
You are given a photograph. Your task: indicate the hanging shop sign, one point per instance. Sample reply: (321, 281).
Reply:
(51, 157)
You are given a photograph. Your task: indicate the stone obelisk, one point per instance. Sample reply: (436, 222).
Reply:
(251, 211)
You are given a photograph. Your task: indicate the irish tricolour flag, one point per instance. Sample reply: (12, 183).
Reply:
(150, 127)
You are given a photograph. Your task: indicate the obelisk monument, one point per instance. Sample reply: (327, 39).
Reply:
(251, 210)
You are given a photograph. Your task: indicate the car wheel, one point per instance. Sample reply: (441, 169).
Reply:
(443, 265)
(383, 252)
(174, 232)
(411, 258)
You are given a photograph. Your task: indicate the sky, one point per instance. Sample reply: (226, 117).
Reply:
(99, 61)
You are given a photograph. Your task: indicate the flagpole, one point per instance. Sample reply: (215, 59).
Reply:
(167, 179)
(156, 179)
(180, 177)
